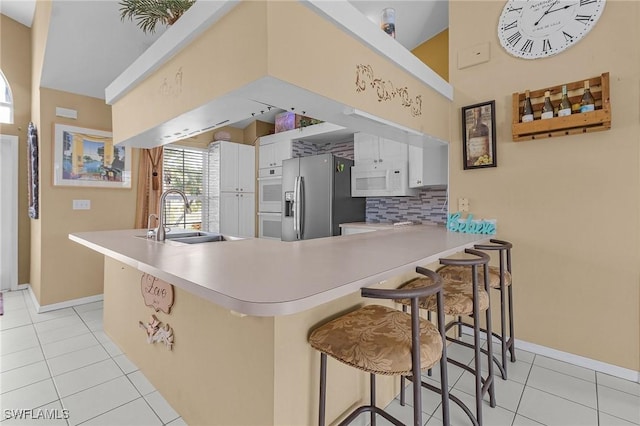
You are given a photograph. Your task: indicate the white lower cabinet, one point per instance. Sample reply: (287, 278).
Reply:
(237, 214)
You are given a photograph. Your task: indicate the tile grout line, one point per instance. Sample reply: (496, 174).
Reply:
(524, 389)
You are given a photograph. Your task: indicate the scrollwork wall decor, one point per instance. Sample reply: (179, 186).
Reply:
(386, 90)
(32, 171)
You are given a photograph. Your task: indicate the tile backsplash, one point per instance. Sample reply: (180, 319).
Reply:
(429, 205)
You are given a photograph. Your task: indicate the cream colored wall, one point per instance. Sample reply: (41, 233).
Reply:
(220, 371)
(325, 63)
(569, 204)
(435, 53)
(39, 32)
(67, 270)
(15, 62)
(229, 55)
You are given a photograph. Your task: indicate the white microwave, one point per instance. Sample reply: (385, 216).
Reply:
(377, 180)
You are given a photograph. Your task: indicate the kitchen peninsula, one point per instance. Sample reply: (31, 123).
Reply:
(242, 313)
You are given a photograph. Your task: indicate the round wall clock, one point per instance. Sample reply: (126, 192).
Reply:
(541, 28)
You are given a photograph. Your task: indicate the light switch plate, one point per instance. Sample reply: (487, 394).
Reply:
(463, 204)
(473, 55)
(81, 204)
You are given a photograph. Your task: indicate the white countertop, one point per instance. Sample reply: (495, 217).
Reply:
(263, 277)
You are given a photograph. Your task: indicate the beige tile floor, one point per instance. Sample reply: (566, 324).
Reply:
(63, 360)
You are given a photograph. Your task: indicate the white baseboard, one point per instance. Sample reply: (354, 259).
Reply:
(61, 305)
(580, 361)
(23, 286)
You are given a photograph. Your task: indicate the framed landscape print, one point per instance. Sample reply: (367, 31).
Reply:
(86, 157)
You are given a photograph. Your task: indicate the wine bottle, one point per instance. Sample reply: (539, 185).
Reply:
(478, 152)
(565, 105)
(547, 108)
(587, 103)
(527, 113)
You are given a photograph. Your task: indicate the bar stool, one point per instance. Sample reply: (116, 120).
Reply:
(381, 340)
(500, 279)
(464, 296)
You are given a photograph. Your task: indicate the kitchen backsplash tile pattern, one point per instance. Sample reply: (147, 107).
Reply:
(339, 149)
(429, 205)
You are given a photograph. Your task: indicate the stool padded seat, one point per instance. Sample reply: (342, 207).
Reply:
(455, 272)
(457, 293)
(377, 339)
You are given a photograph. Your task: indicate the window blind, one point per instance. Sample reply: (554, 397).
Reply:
(183, 170)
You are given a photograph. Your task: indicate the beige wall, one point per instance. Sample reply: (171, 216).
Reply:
(39, 32)
(435, 53)
(67, 270)
(15, 62)
(229, 55)
(569, 204)
(325, 63)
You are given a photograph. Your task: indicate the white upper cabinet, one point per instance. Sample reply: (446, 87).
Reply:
(237, 167)
(246, 163)
(428, 164)
(370, 149)
(273, 153)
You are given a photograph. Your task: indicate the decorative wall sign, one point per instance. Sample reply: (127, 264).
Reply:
(86, 157)
(386, 90)
(158, 333)
(156, 293)
(470, 225)
(33, 182)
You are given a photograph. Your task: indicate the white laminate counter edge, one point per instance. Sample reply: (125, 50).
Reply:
(323, 274)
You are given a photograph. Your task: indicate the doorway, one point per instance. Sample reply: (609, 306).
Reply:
(8, 212)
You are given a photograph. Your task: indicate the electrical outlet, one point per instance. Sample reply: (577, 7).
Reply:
(81, 204)
(463, 204)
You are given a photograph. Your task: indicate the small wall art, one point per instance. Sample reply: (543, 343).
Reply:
(87, 157)
(33, 183)
(479, 136)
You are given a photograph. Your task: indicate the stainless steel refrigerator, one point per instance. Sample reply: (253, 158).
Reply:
(316, 197)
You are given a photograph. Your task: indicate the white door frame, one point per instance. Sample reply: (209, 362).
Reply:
(9, 212)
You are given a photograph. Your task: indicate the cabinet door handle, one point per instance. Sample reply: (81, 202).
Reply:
(380, 160)
(236, 195)
(236, 189)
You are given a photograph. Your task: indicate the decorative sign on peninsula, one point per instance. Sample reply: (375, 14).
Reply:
(158, 333)
(386, 90)
(470, 225)
(156, 293)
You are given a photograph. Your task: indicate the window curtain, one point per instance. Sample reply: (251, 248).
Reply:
(149, 185)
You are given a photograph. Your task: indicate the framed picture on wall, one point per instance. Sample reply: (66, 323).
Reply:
(87, 157)
(479, 136)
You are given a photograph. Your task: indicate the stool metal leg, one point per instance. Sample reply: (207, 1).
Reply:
(416, 363)
(323, 388)
(476, 349)
(503, 323)
(489, 379)
(372, 390)
(512, 347)
(444, 380)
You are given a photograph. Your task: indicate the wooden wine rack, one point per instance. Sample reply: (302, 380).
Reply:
(576, 123)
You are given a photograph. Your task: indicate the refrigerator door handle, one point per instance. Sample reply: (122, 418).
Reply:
(294, 207)
(301, 208)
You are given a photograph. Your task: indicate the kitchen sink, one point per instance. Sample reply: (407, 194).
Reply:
(194, 237)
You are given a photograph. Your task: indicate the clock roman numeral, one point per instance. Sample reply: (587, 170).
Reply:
(583, 18)
(586, 2)
(514, 38)
(567, 37)
(527, 46)
(518, 9)
(510, 26)
(546, 45)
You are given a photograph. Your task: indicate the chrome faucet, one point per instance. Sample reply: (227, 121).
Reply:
(151, 233)
(161, 234)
